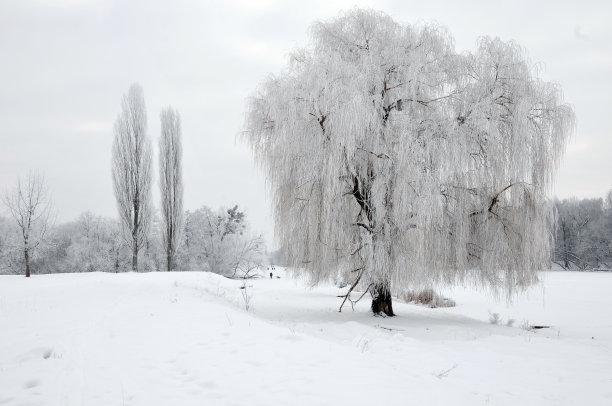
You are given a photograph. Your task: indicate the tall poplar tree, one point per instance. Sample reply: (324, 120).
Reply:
(171, 183)
(131, 167)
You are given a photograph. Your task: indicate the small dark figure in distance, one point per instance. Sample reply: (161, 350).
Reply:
(270, 275)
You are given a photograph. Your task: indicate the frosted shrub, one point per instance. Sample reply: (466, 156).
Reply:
(494, 318)
(426, 297)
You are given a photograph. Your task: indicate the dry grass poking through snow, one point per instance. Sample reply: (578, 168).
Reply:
(427, 297)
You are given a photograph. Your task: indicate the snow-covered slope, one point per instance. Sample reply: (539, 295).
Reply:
(185, 339)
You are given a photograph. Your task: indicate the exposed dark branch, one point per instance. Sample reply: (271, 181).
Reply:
(381, 155)
(348, 294)
(364, 226)
(494, 201)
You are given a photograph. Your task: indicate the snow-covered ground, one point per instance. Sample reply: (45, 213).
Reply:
(185, 339)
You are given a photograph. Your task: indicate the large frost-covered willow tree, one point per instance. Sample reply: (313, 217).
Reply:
(399, 162)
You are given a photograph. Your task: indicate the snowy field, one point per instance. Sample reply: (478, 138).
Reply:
(186, 339)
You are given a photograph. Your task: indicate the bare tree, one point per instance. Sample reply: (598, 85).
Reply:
(30, 206)
(132, 171)
(400, 163)
(171, 183)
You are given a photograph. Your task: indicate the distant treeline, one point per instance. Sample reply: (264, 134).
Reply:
(583, 237)
(217, 241)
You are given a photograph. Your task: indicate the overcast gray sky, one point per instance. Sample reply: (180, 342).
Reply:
(65, 64)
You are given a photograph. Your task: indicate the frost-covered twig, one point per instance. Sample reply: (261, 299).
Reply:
(445, 373)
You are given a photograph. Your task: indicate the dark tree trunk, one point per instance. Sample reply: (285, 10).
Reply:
(135, 229)
(565, 248)
(27, 262)
(169, 250)
(381, 299)
(135, 258)
(381, 294)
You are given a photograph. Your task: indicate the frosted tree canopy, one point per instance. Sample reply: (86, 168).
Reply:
(396, 161)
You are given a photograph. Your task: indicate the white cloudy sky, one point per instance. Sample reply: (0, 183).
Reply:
(64, 65)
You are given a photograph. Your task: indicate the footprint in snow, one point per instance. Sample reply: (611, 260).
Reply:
(35, 353)
(290, 337)
(207, 384)
(32, 383)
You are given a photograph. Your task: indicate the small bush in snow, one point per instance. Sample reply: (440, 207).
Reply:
(494, 318)
(427, 297)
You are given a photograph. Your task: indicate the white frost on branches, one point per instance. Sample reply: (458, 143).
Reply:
(132, 155)
(220, 242)
(29, 205)
(399, 161)
(171, 183)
